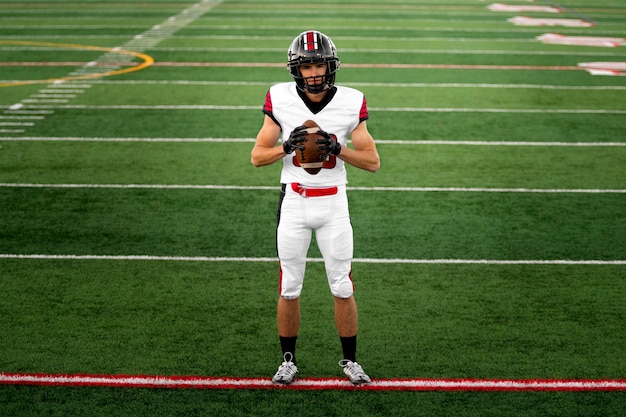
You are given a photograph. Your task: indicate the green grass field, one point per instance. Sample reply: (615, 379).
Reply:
(137, 239)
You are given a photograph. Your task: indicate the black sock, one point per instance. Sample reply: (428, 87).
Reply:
(348, 344)
(288, 345)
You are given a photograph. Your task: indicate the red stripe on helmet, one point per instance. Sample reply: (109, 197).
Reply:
(310, 43)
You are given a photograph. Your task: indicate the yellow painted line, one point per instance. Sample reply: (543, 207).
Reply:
(147, 61)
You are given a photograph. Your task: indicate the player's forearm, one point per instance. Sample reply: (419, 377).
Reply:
(263, 155)
(366, 159)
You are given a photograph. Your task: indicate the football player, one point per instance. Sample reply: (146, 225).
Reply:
(315, 202)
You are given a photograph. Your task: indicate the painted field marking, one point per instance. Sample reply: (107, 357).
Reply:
(17, 124)
(317, 260)
(499, 7)
(392, 66)
(488, 110)
(423, 51)
(17, 117)
(256, 107)
(179, 382)
(370, 84)
(146, 61)
(115, 61)
(268, 187)
(433, 142)
(391, 28)
(531, 21)
(605, 68)
(558, 39)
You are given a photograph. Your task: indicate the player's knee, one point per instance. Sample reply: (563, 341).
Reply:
(342, 288)
(290, 291)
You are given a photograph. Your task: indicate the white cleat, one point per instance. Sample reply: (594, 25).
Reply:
(354, 372)
(286, 371)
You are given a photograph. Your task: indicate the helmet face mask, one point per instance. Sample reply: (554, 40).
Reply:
(312, 47)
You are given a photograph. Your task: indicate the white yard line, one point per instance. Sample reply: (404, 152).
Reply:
(352, 50)
(387, 109)
(267, 187)
(355, 260)
(365, 84)
(433, 142)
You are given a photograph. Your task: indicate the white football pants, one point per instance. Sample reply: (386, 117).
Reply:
(330, 218)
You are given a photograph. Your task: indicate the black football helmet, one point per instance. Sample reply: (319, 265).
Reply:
(312, 47)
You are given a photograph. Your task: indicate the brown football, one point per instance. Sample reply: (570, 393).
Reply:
(310, 158)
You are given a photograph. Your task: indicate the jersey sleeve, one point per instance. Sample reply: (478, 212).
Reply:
(363, 114)
(268, 109)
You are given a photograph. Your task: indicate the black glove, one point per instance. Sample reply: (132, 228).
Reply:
(328, 144)
(296, 137)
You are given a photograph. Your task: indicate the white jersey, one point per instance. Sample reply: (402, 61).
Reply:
(339, 117)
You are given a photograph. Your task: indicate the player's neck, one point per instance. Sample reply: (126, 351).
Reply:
(319, 101)
(316, 98)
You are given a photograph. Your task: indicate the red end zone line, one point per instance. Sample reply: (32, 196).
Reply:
(140, 381)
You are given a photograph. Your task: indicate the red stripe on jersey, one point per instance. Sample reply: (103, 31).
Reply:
(363, 114)
(267, 107)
